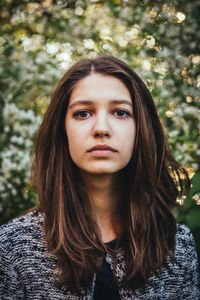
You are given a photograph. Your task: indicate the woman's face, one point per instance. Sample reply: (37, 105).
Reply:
(100, 125)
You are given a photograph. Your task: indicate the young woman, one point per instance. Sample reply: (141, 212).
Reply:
(107, 183)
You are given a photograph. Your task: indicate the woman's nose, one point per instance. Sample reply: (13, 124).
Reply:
(101, 127)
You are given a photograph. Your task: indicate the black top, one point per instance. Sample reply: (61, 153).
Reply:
(105, 287)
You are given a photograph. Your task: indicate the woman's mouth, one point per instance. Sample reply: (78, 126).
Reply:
(101, 150)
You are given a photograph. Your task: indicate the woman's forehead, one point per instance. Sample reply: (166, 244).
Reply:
(98, 87)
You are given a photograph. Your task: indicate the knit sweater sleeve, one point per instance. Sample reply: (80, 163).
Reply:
(10, 286)
(190, 289)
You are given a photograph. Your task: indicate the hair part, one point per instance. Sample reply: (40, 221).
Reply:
(151, 181)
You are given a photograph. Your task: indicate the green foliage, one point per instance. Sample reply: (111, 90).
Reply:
(39, 40)
(189, 213)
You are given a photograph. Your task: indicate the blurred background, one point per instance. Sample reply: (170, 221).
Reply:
(39, 40)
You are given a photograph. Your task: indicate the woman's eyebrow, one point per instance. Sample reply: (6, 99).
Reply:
(122, 101)
(88, 102)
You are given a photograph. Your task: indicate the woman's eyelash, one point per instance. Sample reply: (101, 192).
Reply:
(120, 113)
(81, 114)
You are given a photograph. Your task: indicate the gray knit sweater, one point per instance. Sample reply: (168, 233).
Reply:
(26, 269)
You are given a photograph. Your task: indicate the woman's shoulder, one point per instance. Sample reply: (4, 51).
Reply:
(21, 228)
(185, 246)
(184, 236)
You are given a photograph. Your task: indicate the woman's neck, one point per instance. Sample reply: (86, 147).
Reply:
(105, 196)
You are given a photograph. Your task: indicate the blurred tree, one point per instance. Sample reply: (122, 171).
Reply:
(39, 40)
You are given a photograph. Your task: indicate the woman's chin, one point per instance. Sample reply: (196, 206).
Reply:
(99, 171)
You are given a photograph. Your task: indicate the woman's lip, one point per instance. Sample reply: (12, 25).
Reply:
(101, 153)
(102, 147)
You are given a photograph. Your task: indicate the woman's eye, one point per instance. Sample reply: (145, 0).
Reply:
(122, 113)
(82, 114)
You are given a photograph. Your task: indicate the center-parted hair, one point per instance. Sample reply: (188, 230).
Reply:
(150, 184)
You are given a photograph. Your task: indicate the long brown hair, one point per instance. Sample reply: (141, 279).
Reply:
(151, 183)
